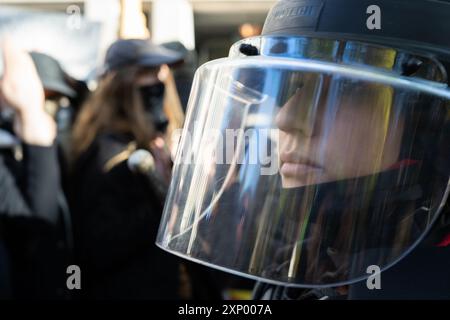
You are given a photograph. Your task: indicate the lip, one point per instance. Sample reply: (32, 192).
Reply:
(295, 165)
(289, 169)
(298, 159)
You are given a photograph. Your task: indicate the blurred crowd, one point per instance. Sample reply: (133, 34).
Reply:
(84, 174)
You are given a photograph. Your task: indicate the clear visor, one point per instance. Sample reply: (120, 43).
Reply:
(304, 173)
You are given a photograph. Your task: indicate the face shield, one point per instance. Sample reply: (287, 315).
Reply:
(310, 163)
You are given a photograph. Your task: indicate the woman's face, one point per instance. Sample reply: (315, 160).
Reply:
(151, 89)
(351, 134)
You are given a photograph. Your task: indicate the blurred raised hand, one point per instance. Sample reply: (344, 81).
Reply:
(21, 90)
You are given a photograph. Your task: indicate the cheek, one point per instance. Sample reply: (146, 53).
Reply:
(339, 158)
(287, 142)
(350, 145)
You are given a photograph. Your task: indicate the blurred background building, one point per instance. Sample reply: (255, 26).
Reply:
(208, 26)
(78, 32)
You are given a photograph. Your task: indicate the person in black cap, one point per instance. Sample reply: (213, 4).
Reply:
(58, 85)
(30, 221)
(120, 172)
(338, 156)
(63, 96)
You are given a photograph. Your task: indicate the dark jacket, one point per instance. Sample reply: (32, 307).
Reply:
(422, 275)
(31, 229)
(116, 217)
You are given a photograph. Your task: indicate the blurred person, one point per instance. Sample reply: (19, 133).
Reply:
(29, 183)
(63, 97)
(120, 175)
(62, 93)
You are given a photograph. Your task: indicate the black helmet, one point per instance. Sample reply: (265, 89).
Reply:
(318, 149)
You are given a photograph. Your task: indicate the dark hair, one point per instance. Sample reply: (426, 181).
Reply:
(115, 106)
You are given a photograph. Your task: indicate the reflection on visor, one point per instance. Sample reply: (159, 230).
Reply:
(304, 177)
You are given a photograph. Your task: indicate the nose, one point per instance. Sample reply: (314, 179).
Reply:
(300, 113)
